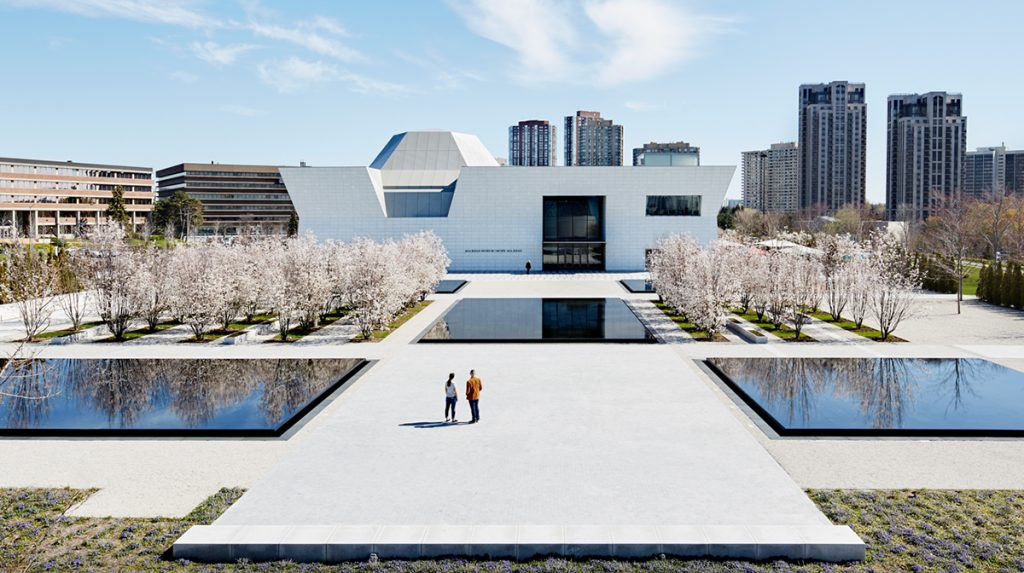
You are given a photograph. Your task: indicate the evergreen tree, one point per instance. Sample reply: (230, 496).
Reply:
(983, 283)
(996, 286)
(116, 211)
(1017, 296)
(293, 224)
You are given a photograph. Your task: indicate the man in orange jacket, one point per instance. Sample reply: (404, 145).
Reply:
(473, 388)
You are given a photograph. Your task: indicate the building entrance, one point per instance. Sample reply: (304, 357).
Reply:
(574, 233)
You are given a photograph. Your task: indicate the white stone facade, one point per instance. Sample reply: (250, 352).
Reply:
(495, 220)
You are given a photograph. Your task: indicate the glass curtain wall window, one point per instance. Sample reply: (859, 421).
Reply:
(673, 205)
(574, 233)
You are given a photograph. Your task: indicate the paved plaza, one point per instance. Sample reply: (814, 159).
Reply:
(573, 435)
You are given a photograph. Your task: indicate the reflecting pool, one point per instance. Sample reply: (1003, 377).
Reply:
(638, 285)
(212, 397)
(538, 320)
(879, 396)
(449, 286)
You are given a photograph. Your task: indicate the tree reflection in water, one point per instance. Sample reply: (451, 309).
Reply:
(883, 388)
(25, 392)
(879, 393)
(199, 393)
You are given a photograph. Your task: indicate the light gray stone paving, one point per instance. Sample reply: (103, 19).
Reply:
(169, 477)
(660, 325)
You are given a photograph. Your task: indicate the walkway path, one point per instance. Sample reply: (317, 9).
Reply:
(601, 435)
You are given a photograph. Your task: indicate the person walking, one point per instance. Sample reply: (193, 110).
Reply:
(451, 396)
(473, 388)
(528, 266)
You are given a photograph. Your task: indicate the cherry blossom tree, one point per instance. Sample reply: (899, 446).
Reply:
(376, 290)
(895, 282)
(115, 278)
(836, 252)
(806, 285)
(860, 274)
(712, 285)
(198, 290)
(156, 289)
(74, 297)
(668, 269)
(427, 261)
(31, 283)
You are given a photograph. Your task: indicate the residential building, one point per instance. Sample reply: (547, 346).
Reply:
(833, 139)
(666, 154)
(40, 198)
(236, 199)
(994, 170)
(494, 218)
(771, 178)
(592, 141)
(926, 153)
(532, 143)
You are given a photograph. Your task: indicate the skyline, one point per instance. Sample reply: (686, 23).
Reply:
(264, 83)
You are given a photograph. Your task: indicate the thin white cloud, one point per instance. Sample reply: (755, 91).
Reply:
(445, 74)
(307, 35)
(174, 12)
(647, 37)
(603, 42)
(217, 54)
(640, 105)
(242, 110)
(541, 32)
(294, 74)
(183, 77)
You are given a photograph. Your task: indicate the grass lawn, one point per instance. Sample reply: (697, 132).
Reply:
(689, 327)
(845, 324)
(65, 331)
(971, 280)
(379, 335)
(906, 531)
(784, 332)
(140, 332)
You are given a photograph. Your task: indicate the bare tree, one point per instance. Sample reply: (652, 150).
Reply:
(951, 235)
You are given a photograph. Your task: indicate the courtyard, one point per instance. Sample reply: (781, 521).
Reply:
(596, 441)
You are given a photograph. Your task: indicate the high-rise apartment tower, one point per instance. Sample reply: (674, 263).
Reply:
(833, 129)
(994, 170)
(771, 178)
(591, 140)
(926, 153)
(532, 143)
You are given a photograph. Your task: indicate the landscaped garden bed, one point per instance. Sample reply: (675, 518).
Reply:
(784, 332)
(905, 531)
(849, 325)
(50, 335)
(379, 335)
(690, 328)
(298, 333)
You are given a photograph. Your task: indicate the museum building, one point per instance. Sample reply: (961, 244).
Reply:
(496, 218)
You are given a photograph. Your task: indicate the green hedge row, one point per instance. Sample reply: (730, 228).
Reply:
(1002, 284)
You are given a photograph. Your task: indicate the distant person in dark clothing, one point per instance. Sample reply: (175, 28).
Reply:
(473, 388)
(528, 267)
(451, 396)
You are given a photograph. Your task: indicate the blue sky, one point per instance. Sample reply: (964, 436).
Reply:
(159, 82)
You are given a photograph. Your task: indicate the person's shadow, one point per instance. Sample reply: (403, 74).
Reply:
(423, 425)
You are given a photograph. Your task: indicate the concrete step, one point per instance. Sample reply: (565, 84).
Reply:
(331, 544)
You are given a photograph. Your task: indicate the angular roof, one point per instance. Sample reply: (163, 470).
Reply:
(416, 159)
